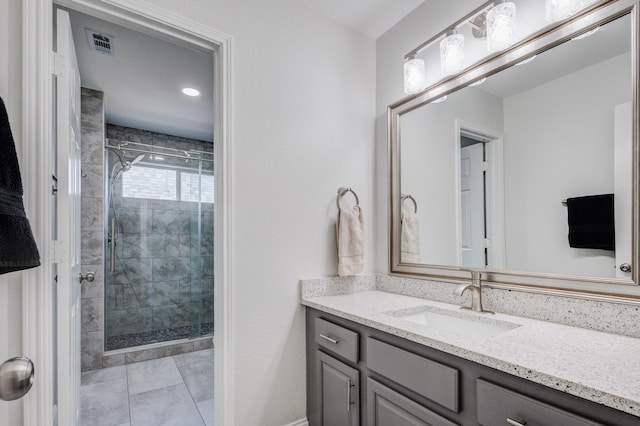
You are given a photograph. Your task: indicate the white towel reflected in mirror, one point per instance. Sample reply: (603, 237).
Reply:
(410, 238)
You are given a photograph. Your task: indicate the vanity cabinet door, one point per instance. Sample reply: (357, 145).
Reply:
(498, 405)
(339, 390)
(386, 407)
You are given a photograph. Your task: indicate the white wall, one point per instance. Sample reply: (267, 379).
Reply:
(303, 125)
(10, 288)
(303, 111)
(423, 23)
(429, 165)
(571, 155)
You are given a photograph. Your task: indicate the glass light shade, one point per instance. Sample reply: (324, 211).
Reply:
(501, 26)
(557, 10)
(452, 54)
(414, 76)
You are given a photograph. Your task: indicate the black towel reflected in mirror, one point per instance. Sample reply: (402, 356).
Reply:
(18, 248)
(592, 222)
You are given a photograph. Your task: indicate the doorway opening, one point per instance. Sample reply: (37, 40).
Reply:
(480, 205)
(146, 223)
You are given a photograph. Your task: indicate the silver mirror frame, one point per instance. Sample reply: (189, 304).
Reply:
(610, 289)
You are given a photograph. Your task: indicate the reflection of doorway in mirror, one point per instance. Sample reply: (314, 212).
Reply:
(623, 165)
(473, 229)
(480, 205)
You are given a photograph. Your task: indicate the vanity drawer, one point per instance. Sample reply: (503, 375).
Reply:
(428, 378)
(497, 404)
(337, 339)
(387, 407)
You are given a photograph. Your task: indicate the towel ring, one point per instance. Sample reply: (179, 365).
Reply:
(341, 192)
(404, 198)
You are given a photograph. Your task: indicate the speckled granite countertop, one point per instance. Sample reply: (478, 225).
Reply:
(593, 365)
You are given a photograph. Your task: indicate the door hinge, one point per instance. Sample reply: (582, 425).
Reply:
(58, 64)
(59, 251)
(487, 243)
(485, 166)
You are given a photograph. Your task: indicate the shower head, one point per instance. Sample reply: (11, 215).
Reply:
(137, 159)
(125, 165)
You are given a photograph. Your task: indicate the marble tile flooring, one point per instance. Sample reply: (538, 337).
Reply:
(176, 390)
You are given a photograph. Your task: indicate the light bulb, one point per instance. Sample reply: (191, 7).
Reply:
(479, 82)
(414, 75)
(442, 99)
(452, 54)
(501, 26)
(558, 10)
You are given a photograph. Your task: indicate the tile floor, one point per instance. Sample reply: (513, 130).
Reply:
(176, 390)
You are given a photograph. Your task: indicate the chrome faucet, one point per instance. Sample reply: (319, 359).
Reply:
(476, 292)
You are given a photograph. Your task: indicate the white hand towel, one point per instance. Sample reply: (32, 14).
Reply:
(410, 238)
(350, 238)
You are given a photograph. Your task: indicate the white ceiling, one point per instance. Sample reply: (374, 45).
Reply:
(610, 40)
(370, 17)
(142, 84)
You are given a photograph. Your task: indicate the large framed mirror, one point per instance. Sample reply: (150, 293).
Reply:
(532, 175)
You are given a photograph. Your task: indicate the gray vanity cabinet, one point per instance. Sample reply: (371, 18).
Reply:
(386, 407)
(357, 375)
(339, 389)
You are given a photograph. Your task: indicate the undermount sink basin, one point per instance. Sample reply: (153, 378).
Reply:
(455, 322)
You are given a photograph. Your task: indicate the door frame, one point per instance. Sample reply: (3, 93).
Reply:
(494, 153)
(37, 127)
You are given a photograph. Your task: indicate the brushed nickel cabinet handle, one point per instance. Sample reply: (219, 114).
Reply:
(349, 402)
(329, 339)
(515, 423)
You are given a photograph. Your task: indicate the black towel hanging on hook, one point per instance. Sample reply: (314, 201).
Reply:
(18, 248)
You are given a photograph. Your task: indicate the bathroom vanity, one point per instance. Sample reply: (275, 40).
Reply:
(371, 362)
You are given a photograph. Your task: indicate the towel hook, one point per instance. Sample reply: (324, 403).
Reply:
(341, 192)
(403, 198)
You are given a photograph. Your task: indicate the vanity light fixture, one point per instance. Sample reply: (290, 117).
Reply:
(414, 74)
(190, 91)
(452, 53)
(501, 26)
(587, 34)
(558, 10)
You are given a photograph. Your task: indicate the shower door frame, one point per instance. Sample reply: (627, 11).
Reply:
(38, 302)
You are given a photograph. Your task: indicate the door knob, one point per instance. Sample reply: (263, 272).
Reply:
(89, 277)
(625, 267)
(16, 378)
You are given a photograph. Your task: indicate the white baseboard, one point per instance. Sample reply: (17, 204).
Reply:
(301, 422)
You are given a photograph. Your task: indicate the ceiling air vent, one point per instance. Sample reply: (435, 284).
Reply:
(101, 43)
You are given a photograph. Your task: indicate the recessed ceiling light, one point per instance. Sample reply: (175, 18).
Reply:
(190, 91)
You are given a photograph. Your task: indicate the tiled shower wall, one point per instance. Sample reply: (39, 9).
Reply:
(92, 228)
(155, 293)
(93, 245)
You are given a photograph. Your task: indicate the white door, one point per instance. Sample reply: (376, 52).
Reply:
(472, 220)
(67, 247)
(623, 160)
